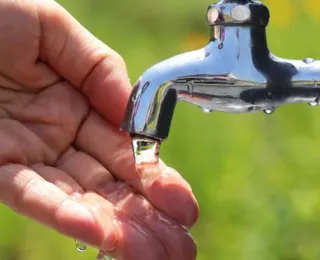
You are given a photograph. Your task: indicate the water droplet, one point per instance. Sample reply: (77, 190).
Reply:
(80, 246)
(313, 104)
(268, 111)
(308, 60)
(145, 150)
(207, 54)
(206, 110)
(190, 89)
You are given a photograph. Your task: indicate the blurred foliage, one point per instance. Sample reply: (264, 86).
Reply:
(256, 177)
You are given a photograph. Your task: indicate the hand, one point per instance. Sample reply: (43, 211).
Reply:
(63, 161)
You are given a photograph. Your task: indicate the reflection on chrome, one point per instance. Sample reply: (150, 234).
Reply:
(234, 73)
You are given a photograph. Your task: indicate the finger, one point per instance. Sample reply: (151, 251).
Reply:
(59, 178)
(137, 243)
(83, 168)
(19, 49)
(89, 218)
(25, 191)
(163, 188)
(169, 239)
(84, 61)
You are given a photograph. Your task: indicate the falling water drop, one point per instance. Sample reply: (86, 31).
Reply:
(268, 111)
(81, 247)
(145, 150)
(206, 110)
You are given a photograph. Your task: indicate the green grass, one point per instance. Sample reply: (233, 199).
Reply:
(256, 177)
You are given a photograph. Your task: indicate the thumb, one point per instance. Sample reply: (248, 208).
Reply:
(79, 57)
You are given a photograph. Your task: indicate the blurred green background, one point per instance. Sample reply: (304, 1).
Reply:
(257, 177)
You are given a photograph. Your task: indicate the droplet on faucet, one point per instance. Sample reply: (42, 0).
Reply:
(308, 60)
(190, 89)
(313, 104)
(206, 110)
(268, 111)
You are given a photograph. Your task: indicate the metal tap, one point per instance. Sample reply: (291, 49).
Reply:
(234, 73)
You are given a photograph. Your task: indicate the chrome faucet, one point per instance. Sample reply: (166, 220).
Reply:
(234, 73)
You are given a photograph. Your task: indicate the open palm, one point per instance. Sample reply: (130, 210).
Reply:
(63, 161)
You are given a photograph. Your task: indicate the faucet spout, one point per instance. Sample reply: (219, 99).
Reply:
(234, 73)
(159, 89)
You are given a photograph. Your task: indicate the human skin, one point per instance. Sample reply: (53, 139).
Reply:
(63, 160)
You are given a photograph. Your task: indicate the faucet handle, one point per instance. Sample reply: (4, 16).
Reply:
(238, 12)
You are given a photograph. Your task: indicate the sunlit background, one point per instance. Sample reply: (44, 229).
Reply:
(257, 177)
